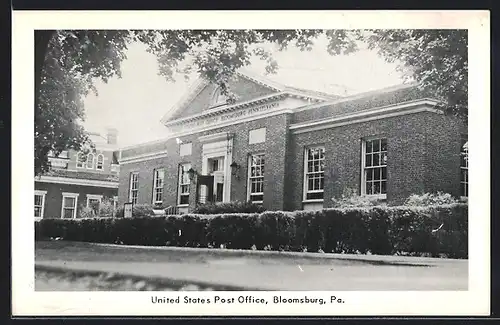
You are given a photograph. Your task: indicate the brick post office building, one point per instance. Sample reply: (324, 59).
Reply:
(293, 149)
(74, 182)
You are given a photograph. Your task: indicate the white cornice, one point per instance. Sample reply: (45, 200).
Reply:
(192, 92)
(425, 105)
(215, 137)
(75, 181)
(224, 109)
(356, 96)
(232, 122)
(143, 157)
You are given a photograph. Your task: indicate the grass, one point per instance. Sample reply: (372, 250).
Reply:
(248, 269)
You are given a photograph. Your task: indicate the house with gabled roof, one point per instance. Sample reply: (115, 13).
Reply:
(291, 149)
(77, 180)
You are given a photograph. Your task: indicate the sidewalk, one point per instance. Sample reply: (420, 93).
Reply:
(260, 270)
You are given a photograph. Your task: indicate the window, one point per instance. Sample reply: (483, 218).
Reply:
(374, 160)
(218, 99)
(184, 184)
(94, 202)
(90, 161)
(257, 136)
(100, 162)
(159, 178)
(39, 203)
(256, 178)
(134, 187)
(314, 173)
(69, 204)
(464, 167)
(80, 161)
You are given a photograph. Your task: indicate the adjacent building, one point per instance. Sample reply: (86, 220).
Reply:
(292, 149)
(77, 180)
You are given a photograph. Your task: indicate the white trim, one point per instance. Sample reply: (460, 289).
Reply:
(305, 190)
(42, 194)
(358, 96)
(94, 197)
(313, 201)
(93, 161)
(69, 195)
(218, 111)
(153, 199)
(141, 145)
(97, 162)
(179, 184)
(222, 136)
(260, 80)
(197, 86)
(78, 154)
(144, 157)
(249, 173)
(363, 163)
(232, 122)
(75, 181)
(363, 116)
(130, 186)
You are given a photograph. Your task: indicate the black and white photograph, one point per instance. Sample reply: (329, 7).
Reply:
(252, 168)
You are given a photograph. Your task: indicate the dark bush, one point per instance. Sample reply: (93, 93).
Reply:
(230, 207)
(434, 231)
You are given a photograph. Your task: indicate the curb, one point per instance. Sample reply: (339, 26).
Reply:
(371, 259)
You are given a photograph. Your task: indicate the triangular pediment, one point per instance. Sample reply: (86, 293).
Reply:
(204, 97)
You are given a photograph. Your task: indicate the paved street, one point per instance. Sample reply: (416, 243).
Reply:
(169, 268)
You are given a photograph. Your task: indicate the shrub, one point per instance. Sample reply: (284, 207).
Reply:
(434, 230)
(142, 210)
(106, 209)
(430, 199)
(230, 207)
(87, 212)
(351, 199)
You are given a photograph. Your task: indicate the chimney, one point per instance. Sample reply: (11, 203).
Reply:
(112, 136)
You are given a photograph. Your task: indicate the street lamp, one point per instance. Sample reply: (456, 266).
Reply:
(235, 168)
(191, 173)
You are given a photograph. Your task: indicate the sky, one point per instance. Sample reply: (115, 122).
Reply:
(135, 103)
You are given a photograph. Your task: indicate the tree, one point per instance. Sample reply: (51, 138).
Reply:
(67, 62)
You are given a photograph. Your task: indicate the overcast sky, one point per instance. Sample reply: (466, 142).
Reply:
(135, 103)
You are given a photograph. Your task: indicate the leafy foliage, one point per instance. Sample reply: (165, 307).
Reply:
(68, 61)
(229, 207)
(436, 58)
(428, 199)
(435, 231)
(351, 199)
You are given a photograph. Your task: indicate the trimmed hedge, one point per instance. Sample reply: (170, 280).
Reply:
(230, 207)
(432, 231)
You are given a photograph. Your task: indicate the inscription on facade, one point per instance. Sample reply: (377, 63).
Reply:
(224, 117)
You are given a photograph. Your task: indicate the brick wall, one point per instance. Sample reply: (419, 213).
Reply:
(368, 101)
(419, 157)
(274, 148)
(443, 153)
(53, 198)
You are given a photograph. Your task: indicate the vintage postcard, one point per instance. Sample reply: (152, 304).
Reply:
(291, 163)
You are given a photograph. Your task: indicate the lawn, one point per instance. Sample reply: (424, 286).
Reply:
(109, 267)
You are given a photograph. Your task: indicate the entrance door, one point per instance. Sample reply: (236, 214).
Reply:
(216, 169)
